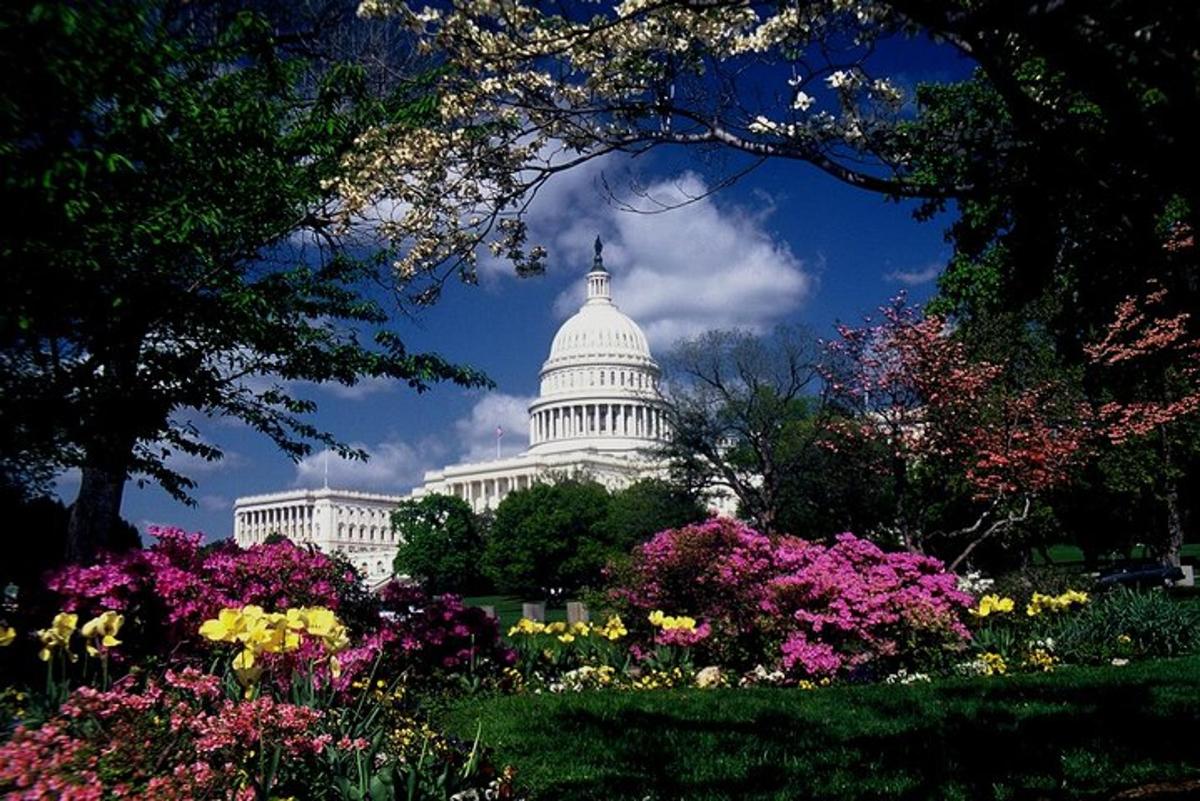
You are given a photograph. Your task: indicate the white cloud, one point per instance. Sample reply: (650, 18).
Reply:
(395, 465)
(678, 272)
(476, 431)
(915, 277)
(392, 466)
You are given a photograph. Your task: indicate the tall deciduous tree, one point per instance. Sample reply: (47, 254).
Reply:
(173, 244)
(734, 403)
(548, 537)
(1079, 97)
(907, 383)
(647, 507)
(441, 545)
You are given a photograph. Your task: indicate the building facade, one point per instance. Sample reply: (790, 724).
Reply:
(356, 524)
(598, 415)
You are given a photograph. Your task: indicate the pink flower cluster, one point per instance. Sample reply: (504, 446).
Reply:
(810, 609)
(439, 632)
(113, 744)
(176, 584)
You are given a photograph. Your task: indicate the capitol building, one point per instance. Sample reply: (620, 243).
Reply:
(598, 415)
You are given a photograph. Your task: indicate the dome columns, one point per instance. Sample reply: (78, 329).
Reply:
(596, 420)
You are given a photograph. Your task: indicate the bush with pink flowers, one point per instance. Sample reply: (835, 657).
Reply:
(809, 609)
(186, 671)
(166, 590)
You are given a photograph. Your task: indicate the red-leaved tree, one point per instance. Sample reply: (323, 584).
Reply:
(907, 383)
(1149, 362)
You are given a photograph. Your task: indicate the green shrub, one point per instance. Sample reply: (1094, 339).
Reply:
(1124, 623)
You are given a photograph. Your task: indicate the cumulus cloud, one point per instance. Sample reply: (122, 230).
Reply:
(395, 466)
(915, 277)
(392, 466)
(682, 263)
(476, 431)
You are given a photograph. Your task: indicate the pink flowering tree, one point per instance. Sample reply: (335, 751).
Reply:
(1148, 359)
(809, 609)
(907, 384)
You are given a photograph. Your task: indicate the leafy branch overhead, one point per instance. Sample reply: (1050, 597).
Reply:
(174, 245)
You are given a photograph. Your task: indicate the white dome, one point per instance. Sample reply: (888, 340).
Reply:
(598, 333)
(599, 386)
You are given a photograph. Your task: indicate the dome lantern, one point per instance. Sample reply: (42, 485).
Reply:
(598, 290)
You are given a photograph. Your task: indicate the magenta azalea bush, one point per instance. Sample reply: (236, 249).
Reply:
(167, 590)
(808, 609)
(171, 587)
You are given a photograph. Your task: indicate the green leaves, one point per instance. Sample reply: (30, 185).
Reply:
(173, 249)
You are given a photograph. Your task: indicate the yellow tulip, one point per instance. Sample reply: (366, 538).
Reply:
(64, 624)
(7, 635)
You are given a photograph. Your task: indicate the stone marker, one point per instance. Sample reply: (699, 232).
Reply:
(576, 612)
(534, 611)
(490, 611)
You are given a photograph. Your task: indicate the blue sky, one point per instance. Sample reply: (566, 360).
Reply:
(787, 244)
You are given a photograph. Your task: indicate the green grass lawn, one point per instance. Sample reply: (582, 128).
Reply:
(1072, 554)
(1074, 733)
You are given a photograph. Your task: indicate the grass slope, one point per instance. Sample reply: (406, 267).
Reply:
(1074, 733)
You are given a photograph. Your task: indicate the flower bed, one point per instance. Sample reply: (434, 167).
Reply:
(188, 672)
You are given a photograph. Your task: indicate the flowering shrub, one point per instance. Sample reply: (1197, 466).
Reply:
(808, 609)
(168, 589)
(427, 635)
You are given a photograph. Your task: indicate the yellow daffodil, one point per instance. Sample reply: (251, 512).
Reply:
(1054, 603)
(993, 605)
(320, 622)
(527, 626)
(64, 624)
(669, 623)
(58, 635)
(613, 629)
(101, 631)
(224, 628)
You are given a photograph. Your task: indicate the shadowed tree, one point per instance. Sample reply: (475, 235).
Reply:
(174, 247)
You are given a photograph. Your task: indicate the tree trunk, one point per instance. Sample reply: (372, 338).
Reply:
(95, 512)
(1173, 546)
(1173, 552)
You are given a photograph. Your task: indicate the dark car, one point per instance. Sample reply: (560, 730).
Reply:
(1139, 575)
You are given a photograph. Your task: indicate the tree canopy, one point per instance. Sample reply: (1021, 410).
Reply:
(733, 401)
(441, 545)
(548, 538)
(174, 246)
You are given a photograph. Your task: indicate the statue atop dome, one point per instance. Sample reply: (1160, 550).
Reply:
(598, 259)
